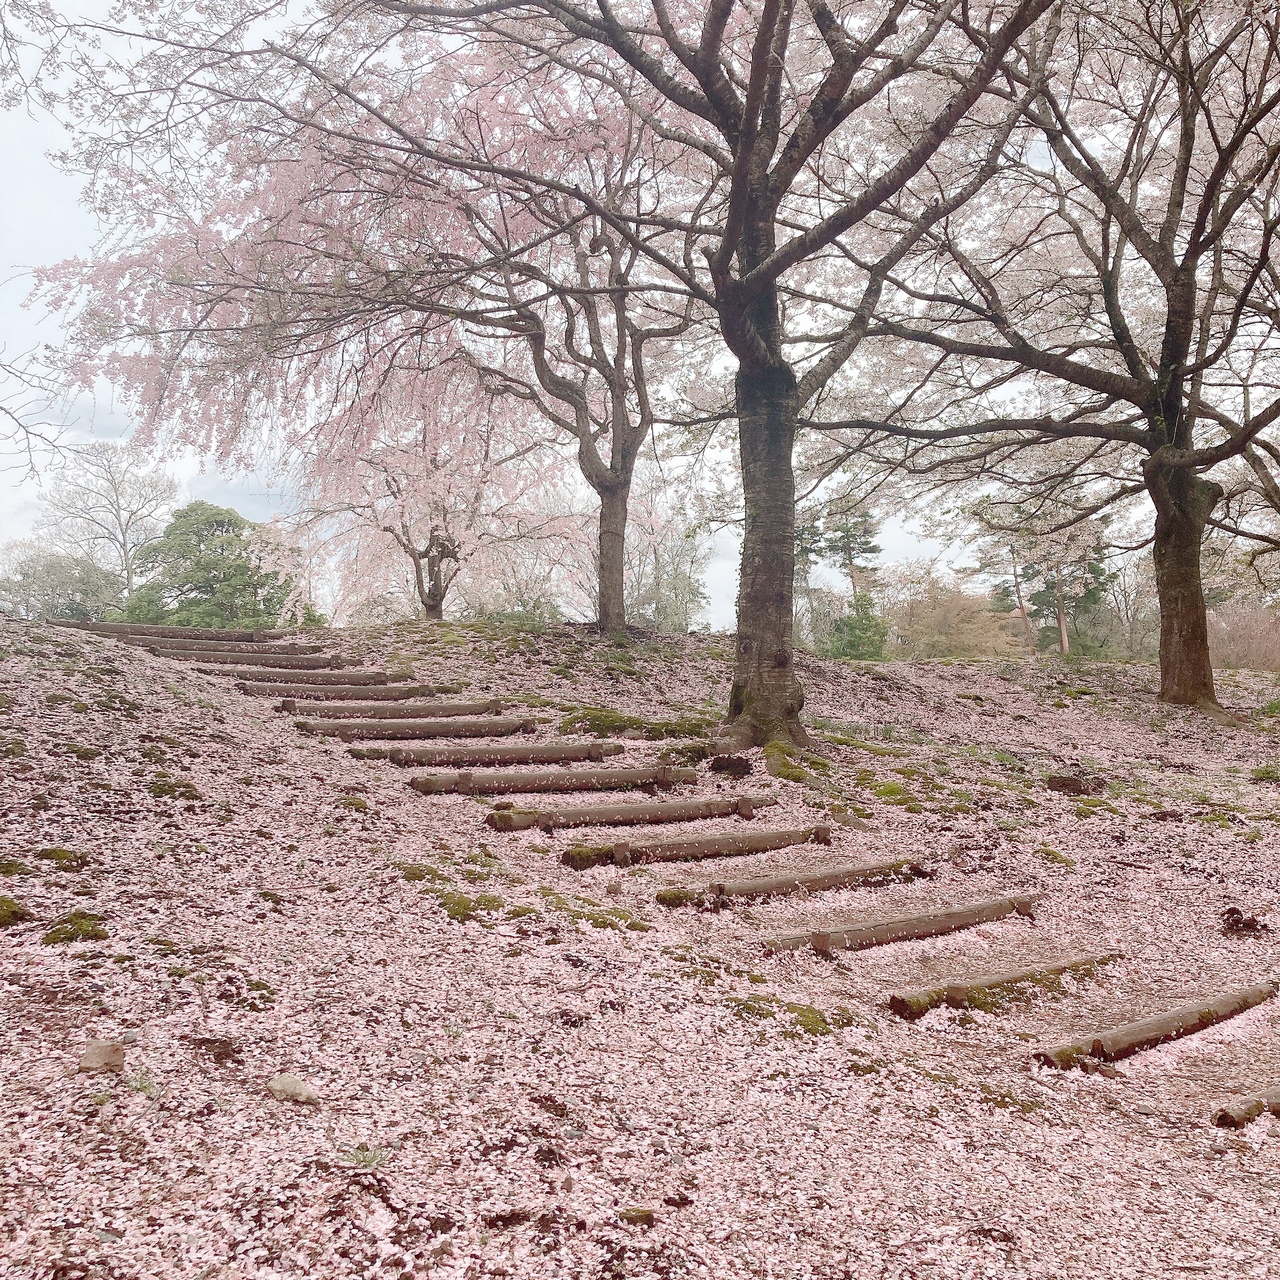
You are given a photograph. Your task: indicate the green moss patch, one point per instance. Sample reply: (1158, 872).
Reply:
(166, 786)
(678, 897)
(603, 722)
(76, 926)
(65, 859)
(12, 867)
(12, 913)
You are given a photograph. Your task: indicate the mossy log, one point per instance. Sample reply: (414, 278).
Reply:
(723, 845)
(1124, 1041)
(625, 815)
(390, 711)
(302, 685)
(291, 693)
(174, 633)
(988, 990)
(863, 873)
(160, 645)
(494, 753)
(495, 783)
(1243, 1111)
(884, 929)
(281, 661)
(473, 727)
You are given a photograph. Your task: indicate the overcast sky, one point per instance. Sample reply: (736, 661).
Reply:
(42, 221)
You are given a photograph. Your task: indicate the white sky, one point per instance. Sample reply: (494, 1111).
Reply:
(42, 221)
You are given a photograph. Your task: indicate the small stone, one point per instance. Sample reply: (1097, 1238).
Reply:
(129, 1037)
(637, 1217)
(614, 889)
(286, 1087)
(631, 734)
(102, 1055)
(567, 1184)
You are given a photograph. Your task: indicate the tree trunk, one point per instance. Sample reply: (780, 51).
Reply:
(1183, 501)
(612, 610)
(1064, 640)
(433, 600)
(1022, 607)
(766, 697)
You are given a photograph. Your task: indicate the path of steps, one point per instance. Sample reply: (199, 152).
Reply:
(330, 699)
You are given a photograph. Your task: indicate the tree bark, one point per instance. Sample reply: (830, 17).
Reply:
(1183, 502)
(1064, 641)
(766, 697)
(612, 611)
(1022, 607)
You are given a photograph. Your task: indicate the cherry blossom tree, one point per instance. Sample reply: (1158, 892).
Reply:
(465, 485)
(804, 151)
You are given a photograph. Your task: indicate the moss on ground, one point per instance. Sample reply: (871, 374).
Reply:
(65, 859)
(12, 912)
(579, 908)
(167, 786)
(76, 926)
(603, 722)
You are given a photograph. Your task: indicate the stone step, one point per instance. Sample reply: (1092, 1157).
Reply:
(494, 753)
(463, 727)
(721, 845)
(308, 683)
(621, 815)
(174, 633)
(880, 930)
(393, 711)
(496, 782)
(280, 661)
(987, 990)
(854, 875)
(1090, 1051)
(159, 645)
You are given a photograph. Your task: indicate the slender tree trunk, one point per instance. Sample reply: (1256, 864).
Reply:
(612, 609)
(1064, 640)
(1022, 607)
(766, 697)
(1184, 502)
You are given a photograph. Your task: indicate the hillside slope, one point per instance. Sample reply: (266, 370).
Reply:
(525, 1070)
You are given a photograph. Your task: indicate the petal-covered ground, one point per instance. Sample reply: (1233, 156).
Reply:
(529, 1071)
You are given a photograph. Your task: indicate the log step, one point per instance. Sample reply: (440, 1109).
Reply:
(1243, 1111)
(307, 684)
(380, 711)
(174, 633)
(496, 782)
(1123, 1041)
(988, 990)
(856, 874)
(723, 845)
(621, 815)
(290, 693)
(281, 661)
(495, 753)
(467, 727)
(884, 929)
(159, 645)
